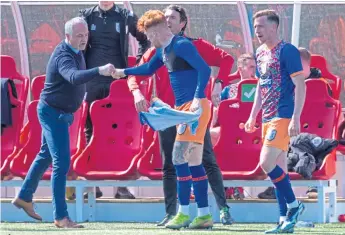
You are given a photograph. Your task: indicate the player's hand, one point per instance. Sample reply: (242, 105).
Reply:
(141, 104)
(118, 73)
(106, 70)
(249, 127)
(217, 90)
(294, 127)
(195, 105)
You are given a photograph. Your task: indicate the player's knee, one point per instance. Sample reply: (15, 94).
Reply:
(195, 161)
(268, 158)
(178, 157)
(267, 166)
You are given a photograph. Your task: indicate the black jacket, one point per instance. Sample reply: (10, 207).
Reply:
(315, 73)
(128, 25)
(6, 106)
(307, 152)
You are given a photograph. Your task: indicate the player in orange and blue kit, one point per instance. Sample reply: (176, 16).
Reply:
(189, 75)
(281, 96)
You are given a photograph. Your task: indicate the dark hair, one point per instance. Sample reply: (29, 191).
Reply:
(271, 15)
(183, 15)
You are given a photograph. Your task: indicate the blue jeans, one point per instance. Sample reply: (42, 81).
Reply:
(54, 149)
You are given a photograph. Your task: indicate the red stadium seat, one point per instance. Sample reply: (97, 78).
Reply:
(320, 116)
(334, 81)
(341, 137)
(8, 70)
(238, 152)
(22, 160)
(115, 146)
(10, 135)
(37, 86)
(151, 164)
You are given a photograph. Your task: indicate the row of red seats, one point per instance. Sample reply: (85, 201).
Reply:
(10, 136)
(150, 164)
(122, 149)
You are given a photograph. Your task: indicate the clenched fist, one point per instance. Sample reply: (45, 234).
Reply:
(119, 73)
(106, 70)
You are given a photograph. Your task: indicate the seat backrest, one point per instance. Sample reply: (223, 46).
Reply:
(8, 70)
(36, 129)
(35, 132)
(23, 160)
(37, 86)
(117, 132)
(10, 134)
(334, 81)
(320, 113)
(77, 127)
(237, 150)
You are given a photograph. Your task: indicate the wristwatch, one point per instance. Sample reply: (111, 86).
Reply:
(218, 81)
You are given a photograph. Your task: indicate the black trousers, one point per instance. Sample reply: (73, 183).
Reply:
(166, 140)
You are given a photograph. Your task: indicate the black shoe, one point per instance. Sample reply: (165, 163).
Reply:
(165, 220)
(225, 216)
(267, 194)
(126, 195)
(98, 195)
(312, 193)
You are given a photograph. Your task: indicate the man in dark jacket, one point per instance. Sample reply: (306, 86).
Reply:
(109, 27)
(62, 95)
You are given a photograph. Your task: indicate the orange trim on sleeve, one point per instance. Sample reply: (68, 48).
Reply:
(295, 74)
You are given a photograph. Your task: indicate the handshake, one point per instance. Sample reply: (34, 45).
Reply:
(110, 70)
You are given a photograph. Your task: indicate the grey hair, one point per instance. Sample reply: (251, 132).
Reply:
(69, 24)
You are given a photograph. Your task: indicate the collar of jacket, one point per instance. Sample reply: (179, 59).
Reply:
(114, 8)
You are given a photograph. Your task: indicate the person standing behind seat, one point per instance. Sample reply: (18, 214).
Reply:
(62, 95)
(109, 27)
(176, 18)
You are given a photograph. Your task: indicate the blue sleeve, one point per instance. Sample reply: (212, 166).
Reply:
(225, 93)
(148, 68)
(68, 69)
(187, 51)
(291, 59)
(257, 74)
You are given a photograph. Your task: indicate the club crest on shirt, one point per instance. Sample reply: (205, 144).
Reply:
(271, 135)
(117, 27)
(181, 129)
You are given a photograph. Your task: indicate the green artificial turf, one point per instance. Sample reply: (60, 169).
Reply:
(145, 228)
